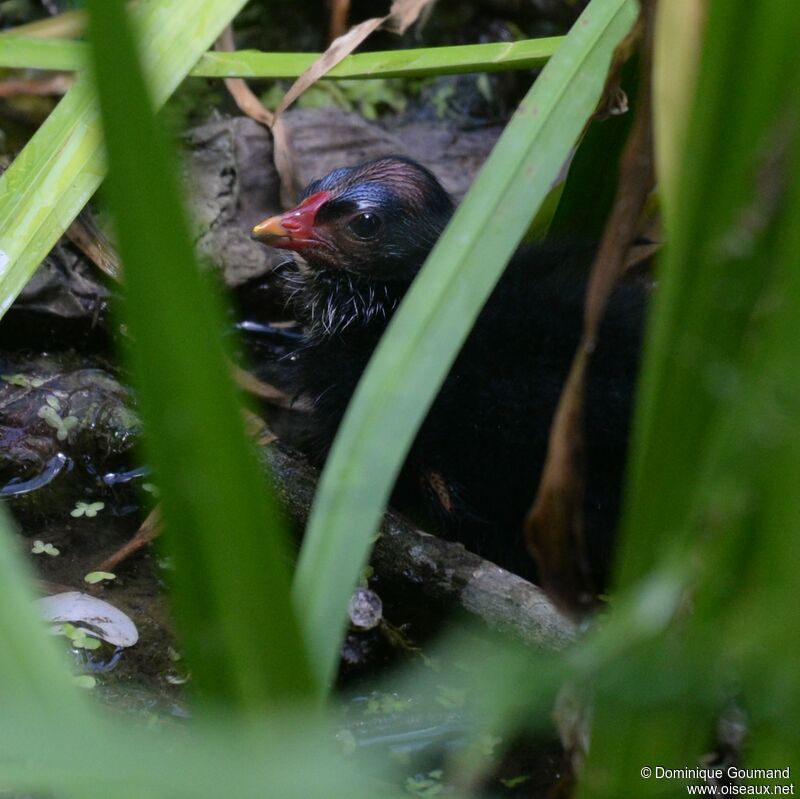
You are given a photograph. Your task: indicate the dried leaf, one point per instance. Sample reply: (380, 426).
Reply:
(258, 388)
(340, 11)
(247, 101)
(283, 154)
(249, 104)
(554, 528)
(404, 13)
(338, 50)
(640, 253)
(257, 429)
(56, 84)
(85, 234)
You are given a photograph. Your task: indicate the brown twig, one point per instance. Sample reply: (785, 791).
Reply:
(148, 532)
(439, 570)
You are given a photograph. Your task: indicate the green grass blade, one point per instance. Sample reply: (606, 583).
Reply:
(231, 585)
(716, 457)
(51, 180)
(288, 756)
(426, 333)
(30, 52)
(30, 669)
(413, 63)
(33, 53)
(66, 25)
(712, 272)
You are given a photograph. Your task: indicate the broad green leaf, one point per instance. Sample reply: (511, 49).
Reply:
(425, 335)
(51, 180)
(231, 583)
(33, 53)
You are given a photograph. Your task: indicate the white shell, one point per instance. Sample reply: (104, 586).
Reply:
(98, 618)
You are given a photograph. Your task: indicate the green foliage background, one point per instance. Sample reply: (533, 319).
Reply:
(703, 612)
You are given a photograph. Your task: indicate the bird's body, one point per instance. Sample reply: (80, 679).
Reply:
(473, 470)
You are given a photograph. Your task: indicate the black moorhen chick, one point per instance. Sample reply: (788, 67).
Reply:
(363, 233)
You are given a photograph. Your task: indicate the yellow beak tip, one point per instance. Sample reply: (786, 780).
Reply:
(270, 228)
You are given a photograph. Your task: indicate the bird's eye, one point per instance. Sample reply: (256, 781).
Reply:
(365, 226)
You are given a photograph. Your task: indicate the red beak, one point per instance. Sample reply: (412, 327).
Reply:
(293, 230)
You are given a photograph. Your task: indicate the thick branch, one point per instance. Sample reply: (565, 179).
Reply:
(441, 570)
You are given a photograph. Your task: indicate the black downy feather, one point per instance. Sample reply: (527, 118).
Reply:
(473, 470)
